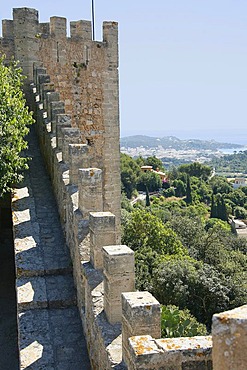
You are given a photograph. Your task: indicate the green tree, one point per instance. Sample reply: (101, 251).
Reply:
(188, 191)
(222, 209)
(215, 222)
(14, 121)
(146, 230)
(155, 162)
(238, 197)
(214, 209)
(147, 198)
(240, 212)
(170, 192)
(190, 284)
(129, 174)
(218, 207)
(220, 185)
(196, 169)
(180, 188)
(150, 180)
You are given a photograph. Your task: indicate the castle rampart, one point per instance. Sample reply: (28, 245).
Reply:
(72, 88)
(85, 75)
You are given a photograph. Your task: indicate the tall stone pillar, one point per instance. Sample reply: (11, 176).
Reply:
(78, 158)
(90, 197)
(119, 277)
(111, 156)
(102, 226)
(26, 28)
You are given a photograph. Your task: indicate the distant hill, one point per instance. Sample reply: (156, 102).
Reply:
(172, 142)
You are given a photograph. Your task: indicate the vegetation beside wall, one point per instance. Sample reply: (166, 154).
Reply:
(186, 254)
(15, 119)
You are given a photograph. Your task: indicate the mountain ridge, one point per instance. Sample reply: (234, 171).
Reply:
(172, 142)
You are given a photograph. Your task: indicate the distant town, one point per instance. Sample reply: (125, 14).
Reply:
(173, 151)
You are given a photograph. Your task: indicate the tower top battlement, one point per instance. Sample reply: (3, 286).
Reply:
(56, 28)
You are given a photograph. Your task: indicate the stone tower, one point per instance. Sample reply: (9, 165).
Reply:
(85, 74)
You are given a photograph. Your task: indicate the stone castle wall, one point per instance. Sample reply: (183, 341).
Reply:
(85, 74)
(80, 144)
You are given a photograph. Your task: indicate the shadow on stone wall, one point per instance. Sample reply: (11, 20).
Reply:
(9, 357)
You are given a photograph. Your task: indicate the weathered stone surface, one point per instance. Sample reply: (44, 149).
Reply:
(78, 158)
(51, 335)
(102, 232)
(52, 339)
(90, 191)
(145, 352)
(140, 316)
(229, 331)
(119, 277)
(31, 293)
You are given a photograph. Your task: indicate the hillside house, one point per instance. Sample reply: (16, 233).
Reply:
(161, 174)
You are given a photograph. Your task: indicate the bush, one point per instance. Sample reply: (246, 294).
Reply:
(240, 212)
(179, 323)
(14, 118)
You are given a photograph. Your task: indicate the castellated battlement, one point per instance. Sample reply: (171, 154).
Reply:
(27, 21)
(72, 88)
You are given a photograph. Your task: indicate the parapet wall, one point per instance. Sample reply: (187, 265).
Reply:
(85, 75)
(122, 326)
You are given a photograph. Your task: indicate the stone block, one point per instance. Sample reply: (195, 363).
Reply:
(44, 89)
(78, 158)
(229, 331)
(43, 78)
(58, 27)
(8, 28)
(82, 29)
(141, 315)
(31, 293)
(56, 107)
(117, 259)
(102, 233)
(90, 191)
(145, 352)
(62, 121)
(69, 136)
(50, 97)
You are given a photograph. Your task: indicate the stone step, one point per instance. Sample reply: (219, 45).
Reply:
(52, 291)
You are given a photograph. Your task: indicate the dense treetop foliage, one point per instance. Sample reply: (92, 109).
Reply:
(185, 251)
(232, 163)
(14, 121)
(134, 179)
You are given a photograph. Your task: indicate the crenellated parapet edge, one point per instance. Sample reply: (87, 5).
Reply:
(27, 40)
(122, 326)
(57, 27)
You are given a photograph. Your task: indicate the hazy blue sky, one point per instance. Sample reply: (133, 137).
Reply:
(183, 63)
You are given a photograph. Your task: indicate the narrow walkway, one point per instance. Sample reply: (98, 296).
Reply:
(50, 329)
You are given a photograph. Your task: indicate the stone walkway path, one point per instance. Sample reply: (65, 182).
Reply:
(51, 335)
